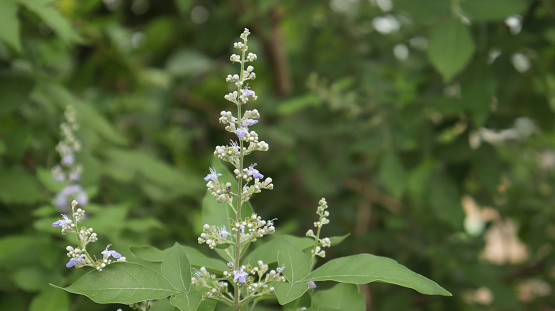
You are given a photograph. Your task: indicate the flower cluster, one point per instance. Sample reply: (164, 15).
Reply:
(79, 257)
(250, 229)
(256, 280)
(68, 171)
(319, 243)
(247, 281)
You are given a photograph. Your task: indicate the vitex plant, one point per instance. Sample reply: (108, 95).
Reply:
(284, 269)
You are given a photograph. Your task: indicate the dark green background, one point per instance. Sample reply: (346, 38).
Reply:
(391, 143)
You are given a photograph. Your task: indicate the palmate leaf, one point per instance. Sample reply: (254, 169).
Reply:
(125, 283)
(366, 268)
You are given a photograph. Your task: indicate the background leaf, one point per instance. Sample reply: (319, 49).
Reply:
(493, 9)
(451, 47)
(393, 174)
(50, 300)
(9, 24)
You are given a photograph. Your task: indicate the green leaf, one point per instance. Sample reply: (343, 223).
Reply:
(125, 283)
(149, 253)
(173, 182)
(450, 48)
(15, 88)
(492, 10)
(87, 115)
(45, 177)
(9, 24)
(392, 174)
(187, 62)
(15, 246)
(31, 278)
(298, 103)
(340, 297)
(425, 10)
(47, 12)
(478, 91)
(366, 268)
(336, 240)
(19, 187)
(287, 292)
(177, 269)
(186, 301)
(417, 180)
(268, 252)
(50, 299)
(297, 264)
(445, 200)
(196, 258)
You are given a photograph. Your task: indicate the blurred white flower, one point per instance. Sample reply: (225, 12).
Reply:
(521, 62)
(386, 24)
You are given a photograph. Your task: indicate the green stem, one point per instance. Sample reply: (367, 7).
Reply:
(237, 298)
(315, 245)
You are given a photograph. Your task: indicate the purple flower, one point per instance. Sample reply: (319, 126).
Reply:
(222, 232)
(107, 253)
(270, 222)
(76, 260)
(244, 128)
(74, 176)
(245, 92)
(70, 193)
(65, 221)
(242, 131)
(311, 284)
(213, 176)
(280, 269)
(68, 159)
(251, 171)
(240, 275)
(249, 122)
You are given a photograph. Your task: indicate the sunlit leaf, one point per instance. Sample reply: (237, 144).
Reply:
(9, 24)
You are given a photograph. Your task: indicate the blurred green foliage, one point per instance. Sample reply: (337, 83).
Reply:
(409, 116)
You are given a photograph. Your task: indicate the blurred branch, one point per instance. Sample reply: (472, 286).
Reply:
(374, 196)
